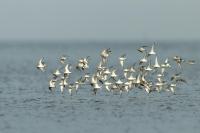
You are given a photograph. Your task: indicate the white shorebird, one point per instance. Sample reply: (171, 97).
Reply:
(120, 86)
(80, 65)
(107, 71)
(87, 76)
(152, 52)
(52, 84)
(62, 84)
(147, 88)
(96, 87)
(41, 65)
(143, 79)
(67, 70)
(178, 60)
(172, 87)
(159, 86)
(94, 79)
(113, 74)
(156, 65)
(83, 63)
(77, 86)
(138, 79)
(131, 78)
(148, 68)
(191, 62)
(71, 87)
(142, 49)
(105, 54)
(63, 59)
(143, 60)
(56, 73)
(126, 72)
(122, 58)
(107, 85)
(132, 69)
(127, 86)
(86, 62)
(119, 82)
(166, 64)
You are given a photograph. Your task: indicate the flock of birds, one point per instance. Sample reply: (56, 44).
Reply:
(147, 73)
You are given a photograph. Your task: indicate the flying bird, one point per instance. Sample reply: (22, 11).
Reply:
(41, 65)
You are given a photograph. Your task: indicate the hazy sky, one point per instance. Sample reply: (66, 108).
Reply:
(99, 19)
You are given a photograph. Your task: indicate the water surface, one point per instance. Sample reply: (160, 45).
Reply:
(27, 106)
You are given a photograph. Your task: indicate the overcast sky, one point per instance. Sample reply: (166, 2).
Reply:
(99, 19)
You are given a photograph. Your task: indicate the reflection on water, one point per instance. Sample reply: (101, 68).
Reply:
(26, 105)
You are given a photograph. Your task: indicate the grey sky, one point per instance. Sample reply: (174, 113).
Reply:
(99, 19)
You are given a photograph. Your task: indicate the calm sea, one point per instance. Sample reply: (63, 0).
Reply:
(26, 105)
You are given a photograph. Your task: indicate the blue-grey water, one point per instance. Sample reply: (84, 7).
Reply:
(26, 105)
